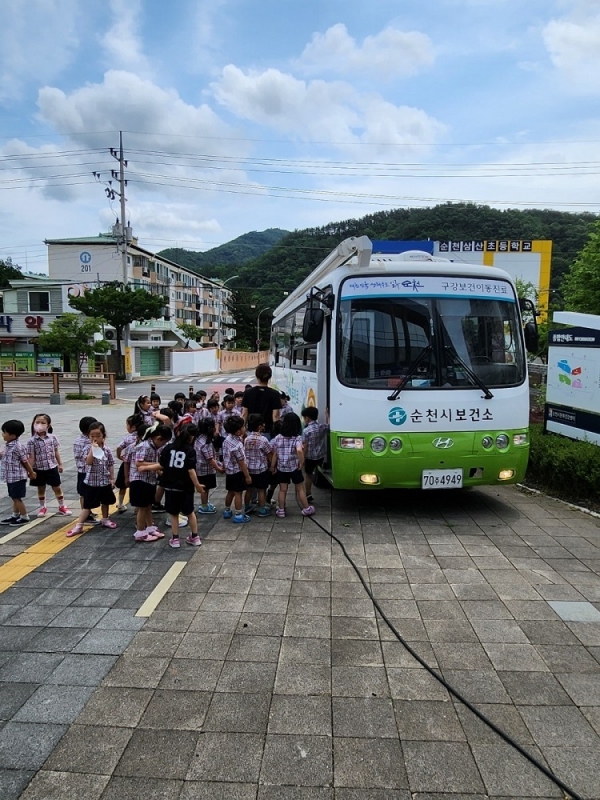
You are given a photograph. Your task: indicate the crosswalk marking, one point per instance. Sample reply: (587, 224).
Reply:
(217, 378)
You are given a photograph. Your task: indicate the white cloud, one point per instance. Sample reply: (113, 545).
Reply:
(392, 53)
(124, 101)
(37, 42)
(573, 44)
(166, 224)
(122, 42)
(329, 112)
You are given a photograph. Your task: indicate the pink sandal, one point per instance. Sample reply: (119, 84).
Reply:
(148, 537)
(108, 523)
(280, 512)
(75, 530)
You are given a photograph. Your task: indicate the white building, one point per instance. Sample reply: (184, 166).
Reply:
(88, 262)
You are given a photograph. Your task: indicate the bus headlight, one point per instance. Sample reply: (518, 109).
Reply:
(378, 444)
(487, 442)
(502, 441)
(520, 438)
(396, 444)
(351, 443)
(369, 479)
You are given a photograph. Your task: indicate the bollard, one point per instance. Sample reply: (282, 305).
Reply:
(105, 398)
(191, 391)
(152, 388)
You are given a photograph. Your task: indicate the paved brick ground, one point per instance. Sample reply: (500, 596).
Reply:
(265, 672)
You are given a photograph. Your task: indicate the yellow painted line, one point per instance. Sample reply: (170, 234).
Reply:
(160, 590)
(27, 527)
(36, 555)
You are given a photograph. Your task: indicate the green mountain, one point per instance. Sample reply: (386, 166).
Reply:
(295, 255)
(214, 262)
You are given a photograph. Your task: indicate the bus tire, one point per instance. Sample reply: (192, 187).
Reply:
(320, 481)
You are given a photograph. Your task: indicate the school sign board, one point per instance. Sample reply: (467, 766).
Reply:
(573, 392)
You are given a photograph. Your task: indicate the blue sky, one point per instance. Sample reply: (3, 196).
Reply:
(248, 114)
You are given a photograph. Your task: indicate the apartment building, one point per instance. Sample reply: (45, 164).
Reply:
(88, 262)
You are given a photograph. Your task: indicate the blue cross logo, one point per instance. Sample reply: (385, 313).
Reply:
(397, 416)
(85, 257)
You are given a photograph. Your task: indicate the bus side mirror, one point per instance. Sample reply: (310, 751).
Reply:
(312, 327)
(532, 338)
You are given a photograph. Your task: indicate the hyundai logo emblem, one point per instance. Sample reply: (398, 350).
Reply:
(443, 442)
(397, 416)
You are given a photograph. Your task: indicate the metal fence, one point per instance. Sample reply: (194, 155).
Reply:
(43, 384)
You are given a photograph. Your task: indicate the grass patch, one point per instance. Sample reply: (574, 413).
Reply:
(81, 397)
(565, 468)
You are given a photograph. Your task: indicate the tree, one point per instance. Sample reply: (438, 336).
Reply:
(581, 284)
(245, 306)
(73, 335)
(8, 272)
(119, 306)
(190, 332)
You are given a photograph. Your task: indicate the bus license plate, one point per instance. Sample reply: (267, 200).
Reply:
(442, 479)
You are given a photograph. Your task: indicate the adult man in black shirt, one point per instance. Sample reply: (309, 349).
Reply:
(261, 399)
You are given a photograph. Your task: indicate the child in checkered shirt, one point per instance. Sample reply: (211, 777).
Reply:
(15, 469)
(258, 452)
(132, 423)
(44, 457)
(314, 441)
(207, 465)
(238, 407)
(81, 445)
(99, 480)
(237, 477)
(287, 460)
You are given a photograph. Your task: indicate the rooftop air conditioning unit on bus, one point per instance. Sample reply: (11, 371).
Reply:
(110, 335)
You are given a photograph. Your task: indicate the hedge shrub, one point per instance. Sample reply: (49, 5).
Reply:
(564, 467)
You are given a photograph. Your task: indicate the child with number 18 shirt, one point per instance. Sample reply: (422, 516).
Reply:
(179, 479)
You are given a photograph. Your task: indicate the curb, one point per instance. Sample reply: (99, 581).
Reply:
(524, 488)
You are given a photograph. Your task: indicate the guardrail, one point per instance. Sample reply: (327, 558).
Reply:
(43, 384)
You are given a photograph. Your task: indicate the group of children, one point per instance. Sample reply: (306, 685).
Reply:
(169, 454)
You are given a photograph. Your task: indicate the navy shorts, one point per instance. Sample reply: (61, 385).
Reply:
(17, 489)
(80, 484)
(208, 481)
(178, 503)
(94, 496)
(46, 477)
(141, 494)
(311, 463)
(236, 482)
(260, 480)
(294, 477)
(120, 482)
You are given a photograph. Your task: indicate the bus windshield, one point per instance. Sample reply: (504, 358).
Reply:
(380, 340)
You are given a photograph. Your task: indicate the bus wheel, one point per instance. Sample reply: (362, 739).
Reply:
(320, 481)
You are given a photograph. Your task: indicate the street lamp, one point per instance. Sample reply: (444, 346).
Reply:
(258, 327)
(220, 309)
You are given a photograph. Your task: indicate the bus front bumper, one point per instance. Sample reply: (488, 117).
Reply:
(362, 468)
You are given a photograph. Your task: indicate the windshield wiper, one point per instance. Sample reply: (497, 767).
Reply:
(474, 378)
(414, 365)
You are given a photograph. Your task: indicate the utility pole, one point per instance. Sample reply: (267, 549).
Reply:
(120, 176)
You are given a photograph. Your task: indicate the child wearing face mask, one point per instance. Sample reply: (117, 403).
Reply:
(45, 459)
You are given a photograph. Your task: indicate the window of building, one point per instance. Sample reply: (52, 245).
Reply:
(39, 301)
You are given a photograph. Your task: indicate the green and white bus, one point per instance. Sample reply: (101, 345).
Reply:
(420, 362)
